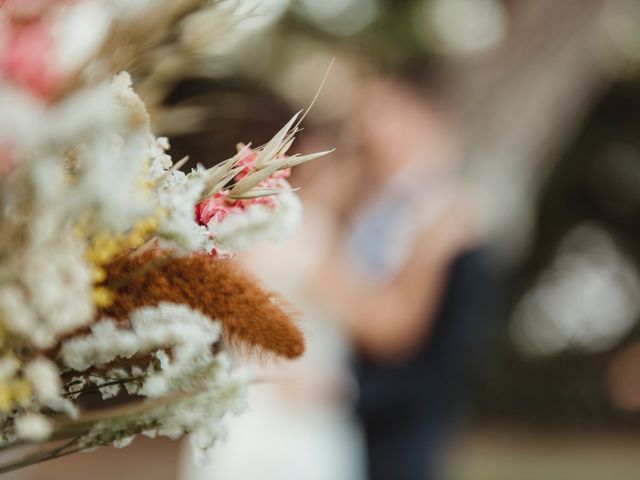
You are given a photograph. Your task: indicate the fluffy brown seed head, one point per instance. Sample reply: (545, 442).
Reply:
(250, 316)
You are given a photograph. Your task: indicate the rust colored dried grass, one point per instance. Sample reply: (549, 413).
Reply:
(250, 316)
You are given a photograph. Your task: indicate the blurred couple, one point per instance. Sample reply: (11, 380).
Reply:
(392, 279)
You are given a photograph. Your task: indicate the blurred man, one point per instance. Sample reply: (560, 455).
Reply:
(406, 279)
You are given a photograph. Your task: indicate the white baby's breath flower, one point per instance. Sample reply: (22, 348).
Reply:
(64, 405)
(58, 287)
(258, 223)
(123, 442)
(75, 386)
(9, 365)
(159, 160)
(44, 378)
(156, 386)
(107, 388)
(177, 197)
(33, 427)
(189, 334)
(163, 358)
(15, 311)
(198, 413)
(151, 328)
(134, 387)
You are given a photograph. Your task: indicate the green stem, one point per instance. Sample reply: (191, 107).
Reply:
(96, 388)
(39, 457)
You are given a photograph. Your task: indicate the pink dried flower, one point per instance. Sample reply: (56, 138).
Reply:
(269, 202)
(282, 174)
(249, 159)
(246, 161)
(26, 56)
(216, 208)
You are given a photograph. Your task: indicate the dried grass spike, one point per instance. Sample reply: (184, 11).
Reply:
(250, 316)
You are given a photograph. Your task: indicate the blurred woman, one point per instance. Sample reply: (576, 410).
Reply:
(299, 423)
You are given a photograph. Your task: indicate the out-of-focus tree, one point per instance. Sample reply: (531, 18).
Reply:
(521, 103)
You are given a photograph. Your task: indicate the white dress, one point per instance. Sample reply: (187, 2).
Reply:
(299, 424)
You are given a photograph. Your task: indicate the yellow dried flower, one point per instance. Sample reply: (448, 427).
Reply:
(98, 274)
(5, 398)
(14, 392)
(104, 247)
(21, 391)
(102, 296)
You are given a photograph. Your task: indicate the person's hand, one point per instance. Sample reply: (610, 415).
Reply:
(452, 232)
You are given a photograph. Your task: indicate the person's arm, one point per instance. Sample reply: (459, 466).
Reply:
(388, 322)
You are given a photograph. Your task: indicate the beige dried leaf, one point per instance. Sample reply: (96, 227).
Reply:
(262, 192)
(253, 179)
(274, 145)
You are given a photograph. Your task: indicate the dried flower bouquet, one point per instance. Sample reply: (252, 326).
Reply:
(117, 275)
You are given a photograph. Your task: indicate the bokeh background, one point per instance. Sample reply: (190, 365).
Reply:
(545, 95)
